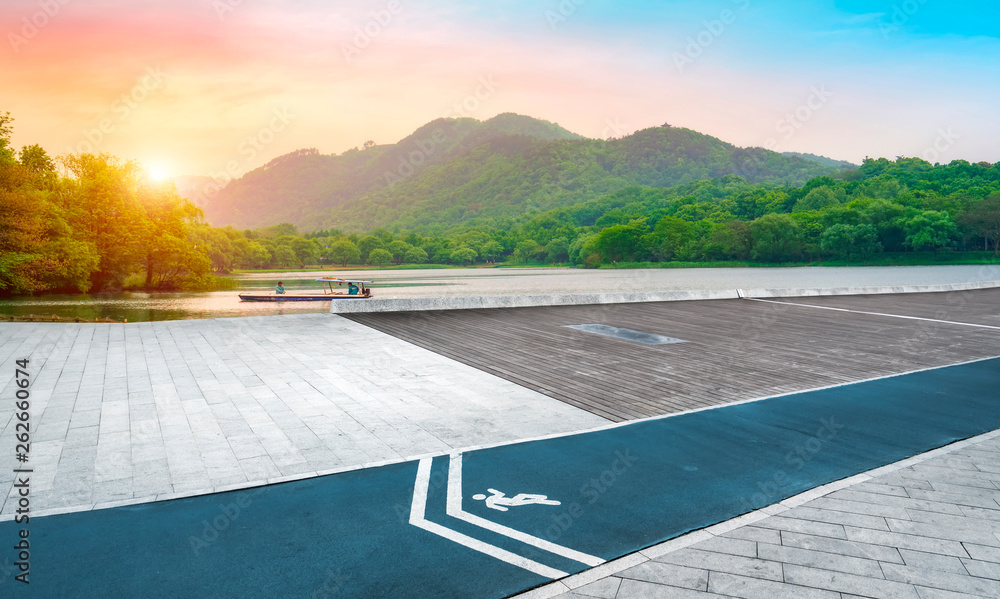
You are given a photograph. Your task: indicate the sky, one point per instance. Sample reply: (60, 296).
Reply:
(220, 87)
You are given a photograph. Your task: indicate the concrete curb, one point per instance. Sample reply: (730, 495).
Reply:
(414, 304)
(766, 293)
(421, 304)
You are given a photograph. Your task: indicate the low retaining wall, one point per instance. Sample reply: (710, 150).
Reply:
(422, 304)
(767, 293)
(413, 304)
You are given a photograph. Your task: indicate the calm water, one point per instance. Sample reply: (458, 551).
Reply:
(140, 307)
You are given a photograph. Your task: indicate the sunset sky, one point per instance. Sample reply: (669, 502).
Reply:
(196, 86)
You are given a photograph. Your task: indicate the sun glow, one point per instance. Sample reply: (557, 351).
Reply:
(157, 172)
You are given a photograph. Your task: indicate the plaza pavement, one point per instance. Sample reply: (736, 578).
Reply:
(924, 528)
(145, 411)
(139, 412)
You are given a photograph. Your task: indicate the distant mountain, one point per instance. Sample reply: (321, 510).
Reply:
(200, 190)
(830, 162)
(453, 170)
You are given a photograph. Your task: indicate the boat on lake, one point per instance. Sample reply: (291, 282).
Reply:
(331, 291)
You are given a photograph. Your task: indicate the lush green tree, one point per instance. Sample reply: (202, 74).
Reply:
(279, 230)
(307, 250)
(257, 256)
(851, 241)
(398, 250)
(577, 251)
(379, 257)
(102, 205)
(817, 199)
(6, 130)
(284, 257)
(492, 251)
(983, 220)
(464, 255)
(344, 252)
(415, 255)
(368, 243)
(929, 230)
(171, 257)
(442, 255)
(22, 235)
(557, 250)
(776, 238)
(621, 243)
(529, 249)
(669, 236)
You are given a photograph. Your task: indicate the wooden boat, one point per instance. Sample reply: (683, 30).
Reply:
(361, 291)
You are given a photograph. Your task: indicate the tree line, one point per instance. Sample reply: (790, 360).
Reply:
(88, 223)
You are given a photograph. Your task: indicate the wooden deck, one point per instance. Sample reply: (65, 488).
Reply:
(736, 350)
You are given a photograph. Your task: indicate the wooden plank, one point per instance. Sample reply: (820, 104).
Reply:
(735, 350)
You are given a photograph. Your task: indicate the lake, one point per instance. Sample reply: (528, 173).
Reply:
(144, 307)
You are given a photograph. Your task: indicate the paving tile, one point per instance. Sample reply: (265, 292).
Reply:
(851, 548)
(821, 560)
(983, 552)
(953, 531)
(982, 569)
(668, 574)
(928, 593)
(756, 534)
(926, 544)
(718, 562)
(637, 589)
(836, 517)
(729, 546)
(932, 561)
(821, 529)
(875, 505)
(602, 589)
(731, 585)
(848, 583)
(947, 581)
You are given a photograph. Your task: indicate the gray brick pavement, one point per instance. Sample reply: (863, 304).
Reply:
(136, 412)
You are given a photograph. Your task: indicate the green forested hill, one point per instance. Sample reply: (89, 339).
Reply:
(455, 170)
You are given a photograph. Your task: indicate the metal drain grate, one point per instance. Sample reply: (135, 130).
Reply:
(626, 334)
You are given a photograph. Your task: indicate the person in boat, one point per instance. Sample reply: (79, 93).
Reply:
(352, 289)
(280, 289)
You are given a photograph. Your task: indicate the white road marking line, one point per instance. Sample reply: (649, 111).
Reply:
(964, 324)
(417, 510)
(455, 511)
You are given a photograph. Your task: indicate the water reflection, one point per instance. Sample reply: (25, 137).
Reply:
(143, 307)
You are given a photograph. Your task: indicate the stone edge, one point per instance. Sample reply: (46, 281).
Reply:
(423, 304)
